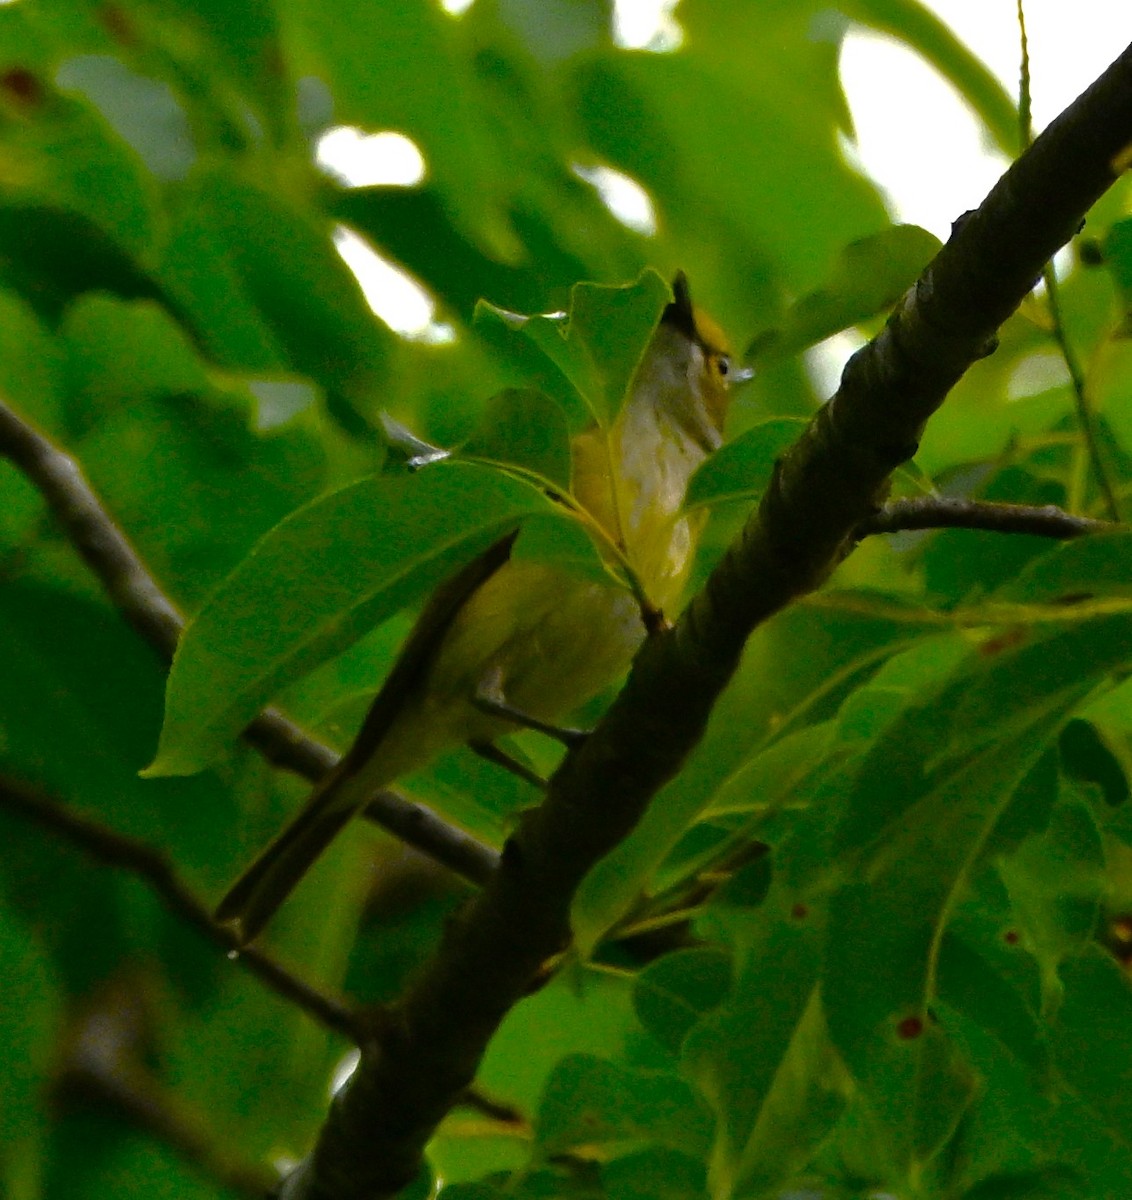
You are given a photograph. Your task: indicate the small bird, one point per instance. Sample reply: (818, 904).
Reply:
(526, 633)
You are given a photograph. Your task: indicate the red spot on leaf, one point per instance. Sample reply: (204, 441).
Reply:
(1006, 640)
(274, 61)
(22, 85)
(910, 1028)
(799, 912)
(117, 24)
(1010, 937)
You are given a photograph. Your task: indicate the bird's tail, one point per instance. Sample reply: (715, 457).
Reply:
(254, 898)
(373, 760)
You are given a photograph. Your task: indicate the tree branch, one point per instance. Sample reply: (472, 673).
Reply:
(942, 512)
(105, 1068)
(823, 490)
(135, 593)
(153, 868)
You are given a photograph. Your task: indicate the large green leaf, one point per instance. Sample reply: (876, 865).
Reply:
(674, 992)
(599, 344)
(771, 111)
(761, 1058)
(205, 475)
(420, 82)
(742, 469)
(780, 688)
(523, 429)
(254, 308)
(868, 278)
(920, 809)
(326, 574)
(1090, 1040)
(1056, 885)
(591, 1102)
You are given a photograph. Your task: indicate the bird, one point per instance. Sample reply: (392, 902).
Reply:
(508, 642)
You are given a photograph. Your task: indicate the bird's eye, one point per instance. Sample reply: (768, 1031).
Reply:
(723, 363)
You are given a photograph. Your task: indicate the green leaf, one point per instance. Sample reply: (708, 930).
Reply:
(776, 777)
(326, 574)
(1117, 251)
(868, 278)
(1092, 1037)
(742, 469)
(778, 686)
(1055, 1182)
(1073, 573)
(671, 120)
(970, 984)
(30, 1018)
(523, 429)
(1056, 883)
(994, 697)
(403, 66)
(921, 808)
(71, 663)
(589, 1102)
(201, 482)
(258, 310)
(599, 345)
(759, 1058)
(31, 361)
(67, 159)
(674, 992)
(553, 1182)
(655, 1174)
(559, 537)
(1093, 754)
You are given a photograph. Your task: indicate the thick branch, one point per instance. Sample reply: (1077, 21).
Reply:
(942, 512)
(154, 869)
(135, 593)
(826, 486)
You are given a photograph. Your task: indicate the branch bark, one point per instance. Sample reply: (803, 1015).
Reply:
(137, 596)
(943, 512)
(155, 870)
(824, 489)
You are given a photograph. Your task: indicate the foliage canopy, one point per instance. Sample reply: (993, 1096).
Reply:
(872, 939)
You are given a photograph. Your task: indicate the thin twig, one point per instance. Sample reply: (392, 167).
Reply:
(105, 1067)
(942, 512)
(135, 594)
(154, 869)
(1085, 418)
(1025, 113)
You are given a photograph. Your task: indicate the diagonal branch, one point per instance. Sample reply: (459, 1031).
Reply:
(823, 490)
(135, 593)
(944, 512)
(151, 866)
